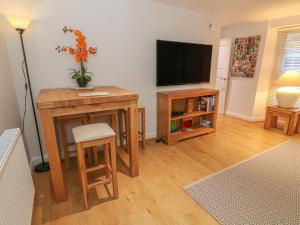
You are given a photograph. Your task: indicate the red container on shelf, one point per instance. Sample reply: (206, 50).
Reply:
(187, 124)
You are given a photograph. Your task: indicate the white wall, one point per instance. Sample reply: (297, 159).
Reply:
(266, 74)
(242, 91)
(125, 32)
(248, 97)
(8, 109)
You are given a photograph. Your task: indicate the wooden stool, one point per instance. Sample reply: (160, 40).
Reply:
(109, 117)
(71, 120)
(290, 116)
(124, 123)
(91, 135)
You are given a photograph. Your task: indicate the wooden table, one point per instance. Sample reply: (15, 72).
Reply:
(290, 116)
(58, 102)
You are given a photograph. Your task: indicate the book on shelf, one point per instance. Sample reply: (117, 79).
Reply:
(205, 122)
(207, 103)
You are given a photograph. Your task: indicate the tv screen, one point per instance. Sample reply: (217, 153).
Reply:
(182, 63)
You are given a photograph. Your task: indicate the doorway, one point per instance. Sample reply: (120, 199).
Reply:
(223, 71)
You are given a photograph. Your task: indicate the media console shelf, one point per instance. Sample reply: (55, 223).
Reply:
(186, 113)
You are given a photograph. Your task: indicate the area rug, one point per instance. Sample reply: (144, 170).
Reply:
(264, 189)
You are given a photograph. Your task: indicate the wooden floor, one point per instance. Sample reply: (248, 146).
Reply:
(156, 196)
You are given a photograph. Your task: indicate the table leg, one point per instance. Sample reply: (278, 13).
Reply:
(121, 128)
(286, 125)
(268, 120)
(292, 125)
(274, 121)
(133, 140)
(298, 124)
(53, 155)
(127, 121)
(113, 124)
(143, 128)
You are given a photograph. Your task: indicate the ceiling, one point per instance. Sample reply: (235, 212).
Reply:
(239, 11)
(231, 11)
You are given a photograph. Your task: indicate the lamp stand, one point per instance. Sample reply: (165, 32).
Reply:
(44, 166)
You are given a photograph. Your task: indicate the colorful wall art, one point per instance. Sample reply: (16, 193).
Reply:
(245, 54)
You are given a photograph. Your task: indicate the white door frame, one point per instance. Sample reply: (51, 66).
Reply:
(225, 75)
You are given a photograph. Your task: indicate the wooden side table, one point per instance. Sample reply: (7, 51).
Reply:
(290, 116)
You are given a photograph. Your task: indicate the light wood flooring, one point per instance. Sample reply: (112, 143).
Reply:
(156, 196)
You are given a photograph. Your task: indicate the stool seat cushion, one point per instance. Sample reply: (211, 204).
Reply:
(92, 132)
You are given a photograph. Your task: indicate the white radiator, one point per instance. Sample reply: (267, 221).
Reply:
(16, 186)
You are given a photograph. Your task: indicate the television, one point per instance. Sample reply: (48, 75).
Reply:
(182, 63)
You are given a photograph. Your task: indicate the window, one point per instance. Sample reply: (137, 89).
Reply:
(287, 57)
(291, 56)
(288, 51)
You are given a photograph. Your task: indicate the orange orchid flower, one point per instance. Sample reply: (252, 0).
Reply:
(81, 53)
(71, 51)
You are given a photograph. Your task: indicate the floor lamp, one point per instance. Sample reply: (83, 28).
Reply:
(20, 24)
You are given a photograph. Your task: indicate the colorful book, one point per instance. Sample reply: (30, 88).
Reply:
(207, 103)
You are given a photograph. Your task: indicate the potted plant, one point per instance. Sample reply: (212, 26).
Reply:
(81, 53)
(81, 76)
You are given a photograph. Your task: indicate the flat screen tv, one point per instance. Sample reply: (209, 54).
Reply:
(182, 63)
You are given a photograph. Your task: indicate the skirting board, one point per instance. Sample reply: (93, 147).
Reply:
(247, 118)
(151, 135)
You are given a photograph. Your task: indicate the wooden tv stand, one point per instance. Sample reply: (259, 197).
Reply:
(186, 113)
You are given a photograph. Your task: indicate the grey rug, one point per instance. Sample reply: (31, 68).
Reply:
(264, 189)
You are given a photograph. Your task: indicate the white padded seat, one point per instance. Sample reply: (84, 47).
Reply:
(92, 132)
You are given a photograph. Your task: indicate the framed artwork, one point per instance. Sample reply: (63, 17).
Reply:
(245, 52)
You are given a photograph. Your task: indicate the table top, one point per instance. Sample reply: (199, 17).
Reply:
(189, 91)
(66, 97)
(279, 109)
